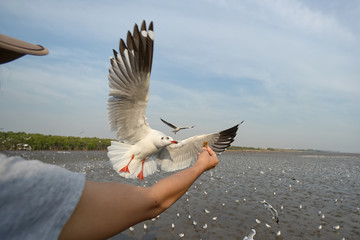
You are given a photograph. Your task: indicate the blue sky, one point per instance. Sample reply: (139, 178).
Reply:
(290, 69)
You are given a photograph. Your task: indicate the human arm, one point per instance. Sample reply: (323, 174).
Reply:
(106, 209)
(170, 189)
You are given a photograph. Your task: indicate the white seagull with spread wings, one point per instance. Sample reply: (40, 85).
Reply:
(140, 148)
(176, 128)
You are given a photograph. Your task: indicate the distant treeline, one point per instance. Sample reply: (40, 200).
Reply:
(35, 141)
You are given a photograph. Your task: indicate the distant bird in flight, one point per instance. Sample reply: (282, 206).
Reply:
(176, 129)
(140, 148)
(272, 210)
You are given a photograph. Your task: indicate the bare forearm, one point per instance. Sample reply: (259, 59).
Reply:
(98, 217)
(170, 189)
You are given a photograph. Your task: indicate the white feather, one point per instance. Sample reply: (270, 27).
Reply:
(120, 155)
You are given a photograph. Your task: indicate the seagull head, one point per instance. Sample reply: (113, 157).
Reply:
(166, 141)
(160, 140)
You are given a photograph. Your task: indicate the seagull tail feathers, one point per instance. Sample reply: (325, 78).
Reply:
(120, 156)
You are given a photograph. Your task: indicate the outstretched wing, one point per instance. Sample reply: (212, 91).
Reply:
(167, 123)
(183, 154)
(129, 80)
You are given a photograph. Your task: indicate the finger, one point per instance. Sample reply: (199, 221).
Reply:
(204, 150)
(210, 151)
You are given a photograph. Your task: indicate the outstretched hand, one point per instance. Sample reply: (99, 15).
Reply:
(207, 159)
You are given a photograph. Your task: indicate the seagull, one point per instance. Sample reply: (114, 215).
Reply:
(140, 149)
(272, 210)
(251, 235)
(176, 129)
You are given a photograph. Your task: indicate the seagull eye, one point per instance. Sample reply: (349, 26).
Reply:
(162, 138)
(167, 138)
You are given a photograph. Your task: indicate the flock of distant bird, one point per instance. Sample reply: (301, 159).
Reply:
(250, 236)
(275, 216)
(252, 233)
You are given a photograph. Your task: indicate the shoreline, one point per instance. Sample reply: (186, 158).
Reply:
(268, 151)
(252, 149)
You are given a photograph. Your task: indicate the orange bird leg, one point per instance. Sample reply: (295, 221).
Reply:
(126, 168)
(141, 174)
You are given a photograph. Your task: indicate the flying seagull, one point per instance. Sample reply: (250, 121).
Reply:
(140, 148)
(176, 129)
(272, 210)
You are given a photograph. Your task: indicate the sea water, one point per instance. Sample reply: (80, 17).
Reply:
(308, 189)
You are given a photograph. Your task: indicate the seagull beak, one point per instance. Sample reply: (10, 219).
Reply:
(174, 142)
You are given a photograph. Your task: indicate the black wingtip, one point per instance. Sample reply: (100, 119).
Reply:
(230, 131)
(122, 46)
(225, 138)
(151, 26)
(143, 25)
